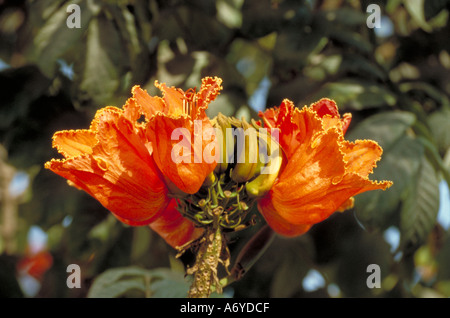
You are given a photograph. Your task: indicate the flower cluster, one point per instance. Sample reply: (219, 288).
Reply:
(293, 163)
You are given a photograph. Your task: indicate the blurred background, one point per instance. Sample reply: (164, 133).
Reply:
(393, 78)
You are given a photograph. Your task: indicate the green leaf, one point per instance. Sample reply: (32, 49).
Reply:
(420, 207)
(347, 16)
(54, 38)
(378, 209)
(399, 163)
(356, 94)
(119, 288)
(99, 77)
(158, 283)
(228, 12)
(351, 39)
(416, 10)
(385, 128)
(290, 54)
(439, 121)
(134, 31)
(109, 284)
(169, 284)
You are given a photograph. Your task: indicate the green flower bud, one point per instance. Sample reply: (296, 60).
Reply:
(223, 127)
(268, 174)
(247, 153)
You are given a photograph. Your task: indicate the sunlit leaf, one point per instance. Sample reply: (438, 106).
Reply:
(116, 282)
(438, 122)
(356, 94)
(420, 207)
(229, 14)
(416, 10)
(169, 284)
(98, 77)
(157, 283)
(55, 37)
(400, 163)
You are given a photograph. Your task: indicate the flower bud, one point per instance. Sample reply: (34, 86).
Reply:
(247, 153)
(223, 127)
(268, 174)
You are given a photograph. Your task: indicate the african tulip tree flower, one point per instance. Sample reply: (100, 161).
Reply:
(175, 111)
(125, 164)
(323, 171)
(302, 172)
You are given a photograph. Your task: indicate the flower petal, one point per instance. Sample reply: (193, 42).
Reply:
(348, 204)
(149, 105)
(295, 125)
(327, 109)
(300, 195)
(277, 223)
(361, 156)
(132, 111)
(316, 182)
(173, 99)
(71, 143)
(175, 229)
(325, 106)
(210, 89)
(188, 170)
(119, 173)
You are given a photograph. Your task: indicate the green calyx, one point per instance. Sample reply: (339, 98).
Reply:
(222, 202)
(251, 160)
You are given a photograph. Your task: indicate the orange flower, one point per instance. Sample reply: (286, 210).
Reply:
(323, 171)
(35, 264)
(125, 164)
(184, 111)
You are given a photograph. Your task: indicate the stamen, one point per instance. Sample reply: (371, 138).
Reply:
(190, 96)
(266, 122)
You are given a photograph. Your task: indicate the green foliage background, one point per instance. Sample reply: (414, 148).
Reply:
(394, 80)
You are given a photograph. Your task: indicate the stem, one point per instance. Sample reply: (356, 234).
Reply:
(220, 210)
(251, 252)
(206, 264)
